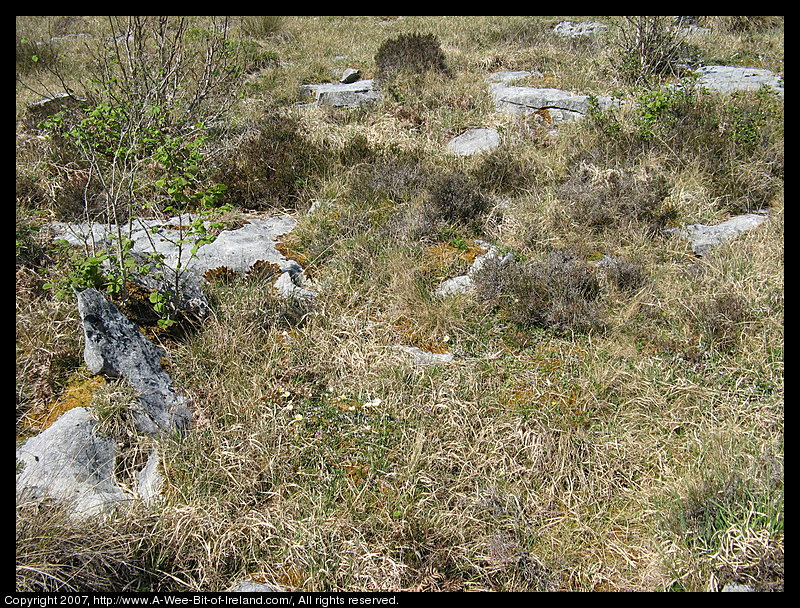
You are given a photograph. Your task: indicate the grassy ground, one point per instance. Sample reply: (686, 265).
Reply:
(620, 432)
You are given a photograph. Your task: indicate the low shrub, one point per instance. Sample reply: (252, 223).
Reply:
(454, 199)
(721, 320)
(269, 166)
(559, 292)
(649, 47)
(261, 26)
(503, 171)
(410, 52)
(611, 198)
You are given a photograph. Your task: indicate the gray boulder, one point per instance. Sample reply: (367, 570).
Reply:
(350, 75)
(115, 347)
(704, 238)
(474, 141)
(728, 79)
(69, 461)
(345, 95)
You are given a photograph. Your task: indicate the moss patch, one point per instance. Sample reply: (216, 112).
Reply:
(79, 392)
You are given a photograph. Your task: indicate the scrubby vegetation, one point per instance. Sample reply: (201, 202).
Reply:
(613, 419)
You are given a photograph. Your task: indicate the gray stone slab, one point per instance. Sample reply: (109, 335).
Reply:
(729, 79)
(343, 94)
(703, 237)
(560, 105)
(114, 347)
(69, 461)
(474, 141)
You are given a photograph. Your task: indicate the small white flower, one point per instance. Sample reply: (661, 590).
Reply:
(374, 403)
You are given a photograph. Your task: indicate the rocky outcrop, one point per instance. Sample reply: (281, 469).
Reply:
(703, 238)
(554, 105)
(116, 348)
(70, 461)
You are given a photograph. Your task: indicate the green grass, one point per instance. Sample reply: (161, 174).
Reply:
(624, 438)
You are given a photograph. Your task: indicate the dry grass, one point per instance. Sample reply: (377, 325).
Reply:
(643, 453)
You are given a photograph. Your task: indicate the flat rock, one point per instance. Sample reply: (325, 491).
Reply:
(584, 29)
(729, 79)
(510, 76)
(116, 348)
(342, 94)
(704, 238)
(237, 250)
(423, 358)
(474, 141)
(248, 586)
(554, 104)
(69, 461)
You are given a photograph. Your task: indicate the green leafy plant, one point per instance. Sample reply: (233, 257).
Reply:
(745, 121)
(660, 109)
(648, 47)
(142, 140)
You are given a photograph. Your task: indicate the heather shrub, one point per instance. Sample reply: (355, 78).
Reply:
(625, 275)
(611, 198)
(410, 52)
(559, 292)
(381, 175)
(269, 164)
(503, 171)
(454, 199)
(721, 320)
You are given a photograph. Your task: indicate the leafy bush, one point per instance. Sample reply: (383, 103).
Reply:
(410, 52)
